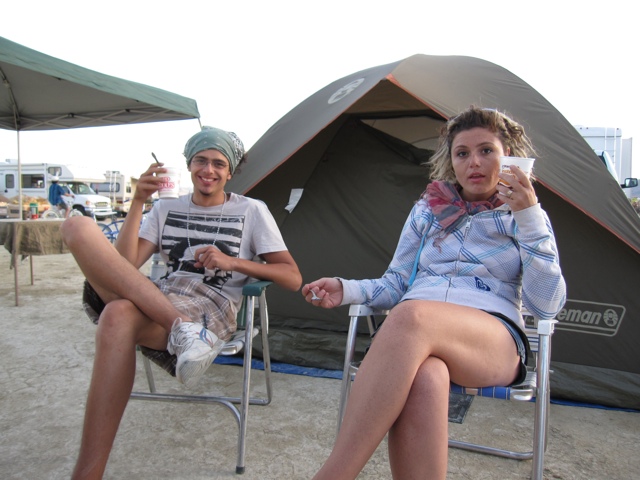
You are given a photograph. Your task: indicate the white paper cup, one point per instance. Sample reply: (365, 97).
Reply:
(170, 186)
(525, 164)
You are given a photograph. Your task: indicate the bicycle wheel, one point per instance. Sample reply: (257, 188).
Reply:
(109, 232)
(75, 213)
(50, 215)
(116, 225)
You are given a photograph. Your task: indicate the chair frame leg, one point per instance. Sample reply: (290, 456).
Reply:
(238, 406)
(347, 371)
(541, 414)
(541, 408)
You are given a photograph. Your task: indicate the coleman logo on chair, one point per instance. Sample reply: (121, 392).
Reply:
(590, 317)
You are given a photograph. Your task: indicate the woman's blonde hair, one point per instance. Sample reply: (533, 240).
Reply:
(510, 133)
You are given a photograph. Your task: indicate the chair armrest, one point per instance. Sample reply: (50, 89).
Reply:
(255, 289)
(546, 327)
(364, 310)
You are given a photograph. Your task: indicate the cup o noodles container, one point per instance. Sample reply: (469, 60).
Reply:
(525, 164)
(170, 185)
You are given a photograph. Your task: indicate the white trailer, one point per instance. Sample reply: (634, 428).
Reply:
(36, 179)
(119, 188)
(611, 141)
(614, 151)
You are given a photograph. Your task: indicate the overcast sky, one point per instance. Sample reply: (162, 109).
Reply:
(248, 62)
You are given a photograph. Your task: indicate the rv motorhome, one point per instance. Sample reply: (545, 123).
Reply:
(36, 179)
(119, 188)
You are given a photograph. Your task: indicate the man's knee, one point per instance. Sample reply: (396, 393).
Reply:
(73, 229)
(123, 323)
(117, 317)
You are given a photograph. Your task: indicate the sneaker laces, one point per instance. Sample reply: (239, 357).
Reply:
(184, 334)
(179, 339)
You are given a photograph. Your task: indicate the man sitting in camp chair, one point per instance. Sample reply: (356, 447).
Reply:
(209, 239)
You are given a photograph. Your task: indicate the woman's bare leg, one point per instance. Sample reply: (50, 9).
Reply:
(423, 426)
(121, 327)
(476, 348)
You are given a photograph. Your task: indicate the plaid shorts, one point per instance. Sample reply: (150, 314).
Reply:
(196, 300)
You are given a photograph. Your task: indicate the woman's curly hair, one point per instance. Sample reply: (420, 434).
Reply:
(510, 133)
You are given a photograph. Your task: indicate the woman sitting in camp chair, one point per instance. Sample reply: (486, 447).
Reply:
(475, 247)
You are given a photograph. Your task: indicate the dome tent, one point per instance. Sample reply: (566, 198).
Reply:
(354, 151)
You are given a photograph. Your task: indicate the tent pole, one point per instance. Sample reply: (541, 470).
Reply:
(19, 178)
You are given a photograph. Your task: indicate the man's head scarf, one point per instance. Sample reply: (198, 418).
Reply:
(210, 138)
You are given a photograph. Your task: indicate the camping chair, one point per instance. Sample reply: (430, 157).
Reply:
(536, 385)
(243, 339)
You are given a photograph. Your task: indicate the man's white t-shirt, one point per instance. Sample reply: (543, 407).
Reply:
(243, 227)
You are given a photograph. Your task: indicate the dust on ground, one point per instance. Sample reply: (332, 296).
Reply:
(46, 347)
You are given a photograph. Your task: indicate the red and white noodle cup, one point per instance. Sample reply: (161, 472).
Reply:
(170, 186)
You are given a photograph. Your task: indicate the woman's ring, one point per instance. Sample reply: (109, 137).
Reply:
(509, 193)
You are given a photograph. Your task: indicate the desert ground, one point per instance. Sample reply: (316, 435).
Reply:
(47, 347)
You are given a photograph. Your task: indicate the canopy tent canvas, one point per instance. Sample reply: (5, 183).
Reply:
(41, 92)
(354, 148)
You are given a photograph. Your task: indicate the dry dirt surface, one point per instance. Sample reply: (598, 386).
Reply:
(46, 348)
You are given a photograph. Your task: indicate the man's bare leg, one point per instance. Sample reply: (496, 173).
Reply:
(122, 326)
(111, 275)
(113, 278)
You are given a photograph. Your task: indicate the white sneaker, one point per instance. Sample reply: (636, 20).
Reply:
(196, 348)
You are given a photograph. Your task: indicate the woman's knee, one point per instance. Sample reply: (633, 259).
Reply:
(402, 316)
(432, 377)
(411, 317)
(429, 392)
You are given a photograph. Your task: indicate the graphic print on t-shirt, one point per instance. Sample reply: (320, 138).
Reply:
(183, 234)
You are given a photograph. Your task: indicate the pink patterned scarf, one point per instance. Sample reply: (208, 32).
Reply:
(448, 207)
